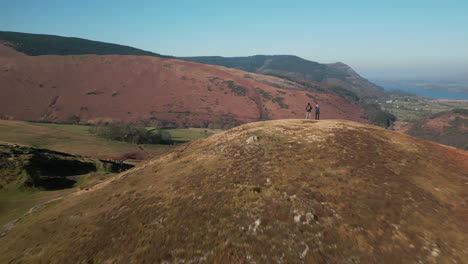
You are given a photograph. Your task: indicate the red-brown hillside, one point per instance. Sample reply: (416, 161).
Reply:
(6, 51)
(131, 88)
(449, 128)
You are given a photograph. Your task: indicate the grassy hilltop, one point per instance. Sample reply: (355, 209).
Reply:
(304, 192)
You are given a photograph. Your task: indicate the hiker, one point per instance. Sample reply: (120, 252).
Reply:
(308, 110)
(317, 112)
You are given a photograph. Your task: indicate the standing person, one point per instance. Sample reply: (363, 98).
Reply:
(317, 112)
(308, 110)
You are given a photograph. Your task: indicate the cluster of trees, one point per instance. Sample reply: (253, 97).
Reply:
(377, 116)
(131, 133)
(225, 122)
(344, 93)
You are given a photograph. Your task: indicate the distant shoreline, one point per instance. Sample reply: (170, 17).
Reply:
(450, 101)
(433, 94)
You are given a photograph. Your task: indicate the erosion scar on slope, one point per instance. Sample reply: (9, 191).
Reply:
(254, 95)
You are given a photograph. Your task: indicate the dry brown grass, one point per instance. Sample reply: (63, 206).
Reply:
(306, 192)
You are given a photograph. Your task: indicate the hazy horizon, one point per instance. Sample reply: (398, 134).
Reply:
(394, 40)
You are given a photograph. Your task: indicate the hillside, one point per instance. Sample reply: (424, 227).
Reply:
(285, 191)
(298, 69)
(284, 66)
(87, 88)
(41, 44)
(448, 128)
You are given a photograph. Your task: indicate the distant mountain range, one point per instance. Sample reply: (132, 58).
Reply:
(95, 80)
(89, 88)
(315, 76)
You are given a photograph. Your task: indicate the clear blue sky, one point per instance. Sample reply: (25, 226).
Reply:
(378, 38)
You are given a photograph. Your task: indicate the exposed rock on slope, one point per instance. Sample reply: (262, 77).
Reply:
(303, 192)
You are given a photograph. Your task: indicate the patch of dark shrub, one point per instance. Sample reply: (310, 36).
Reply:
(131, 133)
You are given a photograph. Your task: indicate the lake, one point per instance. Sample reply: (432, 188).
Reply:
(435, 94)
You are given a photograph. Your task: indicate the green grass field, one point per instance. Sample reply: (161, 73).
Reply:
(66, 138)
(190, 134)
(77, 139)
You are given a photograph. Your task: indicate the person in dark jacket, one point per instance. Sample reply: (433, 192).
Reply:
(317, 112)
(308, 110)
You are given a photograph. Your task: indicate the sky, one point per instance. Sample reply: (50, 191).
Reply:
(380, 39)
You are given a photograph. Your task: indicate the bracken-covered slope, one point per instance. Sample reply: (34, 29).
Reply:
(285, 191)
(334, 75)
(134, 88)
(449, 128)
